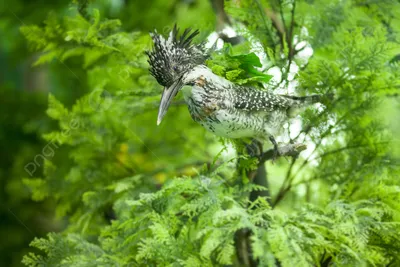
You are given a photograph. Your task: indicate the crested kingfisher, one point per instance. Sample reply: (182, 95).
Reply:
(219, 105)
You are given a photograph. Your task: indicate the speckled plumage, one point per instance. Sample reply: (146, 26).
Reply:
(234, 111)
(222, 107)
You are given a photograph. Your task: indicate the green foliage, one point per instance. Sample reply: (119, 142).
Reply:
(20, 144)
(22, 122)
(240, 69)
(192, 221)
(135, 194)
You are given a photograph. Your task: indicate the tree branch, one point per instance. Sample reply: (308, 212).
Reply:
(259, 177)
(291, 150)
(222, 17)
(277, 24)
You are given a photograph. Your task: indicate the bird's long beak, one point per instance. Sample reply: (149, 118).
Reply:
(168, 94)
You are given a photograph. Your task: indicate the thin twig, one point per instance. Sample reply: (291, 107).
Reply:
(338, 150)
(289, 178)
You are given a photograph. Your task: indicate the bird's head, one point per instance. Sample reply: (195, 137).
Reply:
(170, 60)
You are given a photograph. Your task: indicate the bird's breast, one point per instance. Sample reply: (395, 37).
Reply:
(210, 110)
(201, 106)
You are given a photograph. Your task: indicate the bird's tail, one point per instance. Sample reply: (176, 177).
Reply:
(301, 102)
(312, 99)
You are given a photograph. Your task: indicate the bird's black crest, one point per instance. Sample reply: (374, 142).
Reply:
(173, 56)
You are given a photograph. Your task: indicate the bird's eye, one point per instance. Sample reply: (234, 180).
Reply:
(175, 68)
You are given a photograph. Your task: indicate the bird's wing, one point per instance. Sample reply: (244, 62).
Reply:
(252, 99)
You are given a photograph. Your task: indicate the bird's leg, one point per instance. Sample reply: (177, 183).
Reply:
(273, 141)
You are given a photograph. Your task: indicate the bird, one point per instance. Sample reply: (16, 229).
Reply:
(222, 107)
